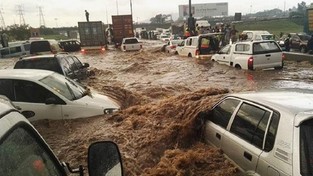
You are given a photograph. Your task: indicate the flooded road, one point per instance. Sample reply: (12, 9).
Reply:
(160, 96)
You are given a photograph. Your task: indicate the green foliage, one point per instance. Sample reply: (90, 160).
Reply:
(56, 37)
(46, 31)
(273, 26)
(18, 32)
(159, 19)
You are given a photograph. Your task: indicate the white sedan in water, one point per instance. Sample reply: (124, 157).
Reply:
(49, 95)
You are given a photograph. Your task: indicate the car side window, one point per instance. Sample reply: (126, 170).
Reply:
(27, 91)
(6, 88)
(22, 154)
(242, 47)
(250, 124)
(71, 63)
(65, 65)
(222, 113)
(225, 50)
(77, 62)
(271, 133)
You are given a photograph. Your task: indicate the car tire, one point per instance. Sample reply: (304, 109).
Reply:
(303, 49)
(238, 67)
(189, 55)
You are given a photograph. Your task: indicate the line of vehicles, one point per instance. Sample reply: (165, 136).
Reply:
(257, 51)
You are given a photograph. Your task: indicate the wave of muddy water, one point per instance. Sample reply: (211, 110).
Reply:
(160, 96)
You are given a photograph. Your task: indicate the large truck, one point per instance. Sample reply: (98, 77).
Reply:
(92, 36)
(122, 28)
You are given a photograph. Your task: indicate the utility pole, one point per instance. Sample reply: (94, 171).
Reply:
(2, 24)
(116, 7)
(41, 18)
(131, 7)
(21, 14)
(191, 21)
(56, 22)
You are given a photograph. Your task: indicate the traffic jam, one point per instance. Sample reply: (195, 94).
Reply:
(200, 96)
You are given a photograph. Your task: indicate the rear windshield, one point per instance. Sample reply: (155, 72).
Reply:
(40, 63)
(131, 41)
(39, 46)
(265, 47)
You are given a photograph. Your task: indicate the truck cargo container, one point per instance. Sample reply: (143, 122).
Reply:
(92, 36)
(122, 28)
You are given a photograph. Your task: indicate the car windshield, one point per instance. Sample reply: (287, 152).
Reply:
(306, 148)
(64, 86)
(267, 37)
(131, 41)
(177, 42)
(305, 37)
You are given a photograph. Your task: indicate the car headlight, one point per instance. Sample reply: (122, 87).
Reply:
(109, 110)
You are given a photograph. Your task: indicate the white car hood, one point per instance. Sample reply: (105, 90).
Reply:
(101, 101)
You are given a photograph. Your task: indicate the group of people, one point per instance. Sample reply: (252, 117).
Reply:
(229, 33)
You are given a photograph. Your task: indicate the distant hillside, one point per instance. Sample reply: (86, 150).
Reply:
(274, 26)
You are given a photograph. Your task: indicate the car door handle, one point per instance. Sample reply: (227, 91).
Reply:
(247, 155)
(268, 55)
(218, 136)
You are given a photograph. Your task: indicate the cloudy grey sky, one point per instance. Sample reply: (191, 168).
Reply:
(58, 13)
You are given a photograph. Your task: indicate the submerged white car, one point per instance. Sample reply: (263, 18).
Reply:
(264, 133)
(50, 95)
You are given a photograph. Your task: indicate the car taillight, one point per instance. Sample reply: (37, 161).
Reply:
(283, 56)
(102, 49)
(197, 53)
(173, 47)
(82, 51)
(250, 63)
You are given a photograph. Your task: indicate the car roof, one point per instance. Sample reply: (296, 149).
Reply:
(293, 100)
(43, 56)
(25, 74)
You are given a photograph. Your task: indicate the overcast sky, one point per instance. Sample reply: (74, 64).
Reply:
(59, 13)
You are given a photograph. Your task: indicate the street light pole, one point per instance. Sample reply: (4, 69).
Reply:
(117, 7)
(131, 7)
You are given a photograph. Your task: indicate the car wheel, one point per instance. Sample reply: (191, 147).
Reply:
(303, 49)
(238, 67)
(189, 55)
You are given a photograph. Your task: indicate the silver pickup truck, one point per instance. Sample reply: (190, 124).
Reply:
(251, 55)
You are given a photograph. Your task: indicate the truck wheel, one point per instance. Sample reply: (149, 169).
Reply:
(238, 67)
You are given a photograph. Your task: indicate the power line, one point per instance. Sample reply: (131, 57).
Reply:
(41, 17)
(2, 24)
(20, 12)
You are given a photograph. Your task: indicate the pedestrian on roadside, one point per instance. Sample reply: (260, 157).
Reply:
(310, 45)
(287, 43)
(87, 15)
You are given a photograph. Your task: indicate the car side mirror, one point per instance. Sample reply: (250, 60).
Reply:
(104, 158)
(86, 65)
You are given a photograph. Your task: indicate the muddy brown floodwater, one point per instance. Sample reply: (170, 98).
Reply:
(160, 95)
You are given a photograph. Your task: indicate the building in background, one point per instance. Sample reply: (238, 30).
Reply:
(204, 10)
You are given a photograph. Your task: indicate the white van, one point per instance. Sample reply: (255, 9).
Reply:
(258, 35)
(201, 46)
(15, 50)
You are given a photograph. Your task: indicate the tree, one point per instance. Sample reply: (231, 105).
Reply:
(302, 7)
(18, 32)
(160, 19)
